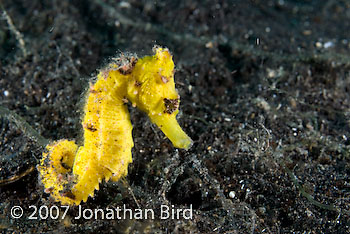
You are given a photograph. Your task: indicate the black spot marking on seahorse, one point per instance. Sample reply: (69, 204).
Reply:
(68, 194)
(171, 105)
(138, 83)
(48, 190)
(90, 127)
(64, 165)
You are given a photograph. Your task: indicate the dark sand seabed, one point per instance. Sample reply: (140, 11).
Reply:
(265, 95)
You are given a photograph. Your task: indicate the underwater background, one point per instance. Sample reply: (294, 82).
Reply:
(265, 97)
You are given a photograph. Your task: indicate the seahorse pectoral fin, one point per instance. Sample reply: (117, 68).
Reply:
(171, 128)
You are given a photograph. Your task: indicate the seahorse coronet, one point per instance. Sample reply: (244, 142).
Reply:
(72, 173)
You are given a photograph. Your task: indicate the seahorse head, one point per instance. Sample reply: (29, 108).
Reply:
(153, 91)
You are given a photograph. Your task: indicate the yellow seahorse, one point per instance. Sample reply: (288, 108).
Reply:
(71, 173)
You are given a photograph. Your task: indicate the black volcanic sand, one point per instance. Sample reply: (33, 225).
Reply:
(264, 89)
